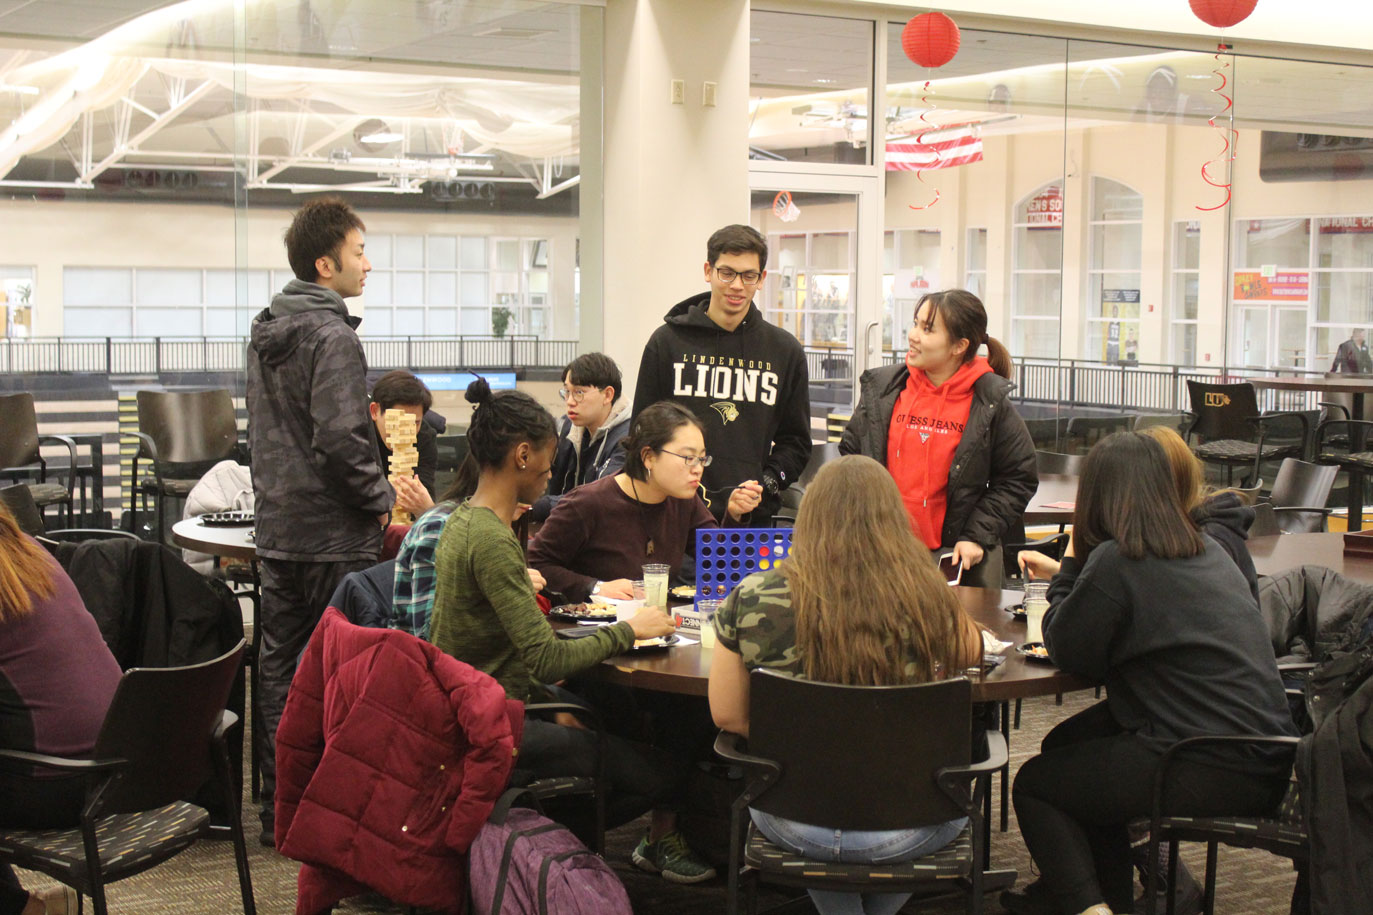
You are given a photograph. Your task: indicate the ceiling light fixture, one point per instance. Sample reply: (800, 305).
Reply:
(381, 137)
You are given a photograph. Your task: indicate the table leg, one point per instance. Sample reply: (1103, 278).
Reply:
(1356, 444)
(97, 477)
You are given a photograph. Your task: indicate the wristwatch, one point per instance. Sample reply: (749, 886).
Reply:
(597, 589)
(771, 484)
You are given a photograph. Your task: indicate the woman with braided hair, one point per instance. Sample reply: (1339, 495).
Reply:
(942, 423)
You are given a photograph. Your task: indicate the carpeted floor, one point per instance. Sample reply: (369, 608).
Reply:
(202, 879)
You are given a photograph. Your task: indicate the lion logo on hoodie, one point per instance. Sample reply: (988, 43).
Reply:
(728, 411)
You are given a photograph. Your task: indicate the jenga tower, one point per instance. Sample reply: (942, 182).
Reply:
(400, 438)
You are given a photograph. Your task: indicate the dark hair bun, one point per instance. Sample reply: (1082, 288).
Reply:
(479, 392)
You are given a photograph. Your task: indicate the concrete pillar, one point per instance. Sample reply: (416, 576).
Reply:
(674, 173)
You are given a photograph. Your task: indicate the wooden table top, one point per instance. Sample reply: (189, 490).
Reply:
(233, 542)
(1347, 384)
(686, 670)
(1278, 553)
(1053, 488)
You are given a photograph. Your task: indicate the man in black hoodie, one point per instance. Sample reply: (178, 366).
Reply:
(322, 500)
(744, 378)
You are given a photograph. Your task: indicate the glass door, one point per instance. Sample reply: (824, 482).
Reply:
(823, 280)
(1289, 344)
(1252, 342)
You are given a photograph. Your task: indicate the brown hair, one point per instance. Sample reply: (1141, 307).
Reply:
(25, 570)
(318, 230)
(401, 388)
(1187, 476)
(1127, 494)
(869, 600)
(737, 239)
(966, 319)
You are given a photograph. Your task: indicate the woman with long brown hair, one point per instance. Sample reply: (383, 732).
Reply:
(1148, 605)
(56, 680)
(859, 601)
(942, 423)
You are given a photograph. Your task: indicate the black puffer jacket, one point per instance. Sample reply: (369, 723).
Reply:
(1228, 519)
(318, 486)
(993, 477)
(1309, 609)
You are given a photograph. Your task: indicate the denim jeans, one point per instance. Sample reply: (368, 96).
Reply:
(856, 847)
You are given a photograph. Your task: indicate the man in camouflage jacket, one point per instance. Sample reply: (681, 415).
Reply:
(322, 500)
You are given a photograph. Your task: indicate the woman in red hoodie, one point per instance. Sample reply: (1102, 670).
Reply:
(943, 425)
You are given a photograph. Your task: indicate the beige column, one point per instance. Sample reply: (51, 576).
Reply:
(673, 173)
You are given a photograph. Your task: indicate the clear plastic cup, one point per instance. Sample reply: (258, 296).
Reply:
(707, 608)
(626, 609)
(656, 575)
(1036, 605)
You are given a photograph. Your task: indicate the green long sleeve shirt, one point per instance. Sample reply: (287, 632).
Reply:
(485, 613)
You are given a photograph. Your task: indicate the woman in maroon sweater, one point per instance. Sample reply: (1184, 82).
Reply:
(600, 535)
(56, 681)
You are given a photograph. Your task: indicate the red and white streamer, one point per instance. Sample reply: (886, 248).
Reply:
(1229, 135)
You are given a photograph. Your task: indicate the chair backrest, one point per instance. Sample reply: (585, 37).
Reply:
(1086, 431)
(1223, 411)
(821, 453)
(18, 430)
(1294, 520)
(451, 452)
(162, 721)
(1302, 483)
(189, 427)
(1045, 432)
(1053, 462)
(1265, 521)
(865, 757)
(1053, 547)
(19, 500)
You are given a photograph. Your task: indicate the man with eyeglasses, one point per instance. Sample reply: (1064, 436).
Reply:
(589, 437)
(744, 378)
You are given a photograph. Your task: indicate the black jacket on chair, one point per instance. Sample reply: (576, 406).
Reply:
(993, 477)
(1309, 609)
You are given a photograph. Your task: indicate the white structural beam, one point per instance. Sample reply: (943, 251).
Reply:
(127, 144)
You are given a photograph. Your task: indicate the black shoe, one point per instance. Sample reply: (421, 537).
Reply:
(1034, 899)
(1187, 892)
(268, 835)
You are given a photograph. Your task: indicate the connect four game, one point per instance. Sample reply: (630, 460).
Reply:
(724, 556)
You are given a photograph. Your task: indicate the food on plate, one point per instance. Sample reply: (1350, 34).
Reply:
(590, 611)
(683, 592)
(1037, 650)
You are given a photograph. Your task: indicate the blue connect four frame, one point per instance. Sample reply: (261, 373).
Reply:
(724, 556)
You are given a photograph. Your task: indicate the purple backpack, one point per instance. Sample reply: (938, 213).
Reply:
(523, 863)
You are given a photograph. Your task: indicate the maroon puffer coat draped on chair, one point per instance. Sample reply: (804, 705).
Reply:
(390, 756)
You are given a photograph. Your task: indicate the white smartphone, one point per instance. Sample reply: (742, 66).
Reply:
(952, 568)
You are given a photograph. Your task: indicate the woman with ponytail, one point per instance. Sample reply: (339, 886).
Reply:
(942, 424)
(485, 613)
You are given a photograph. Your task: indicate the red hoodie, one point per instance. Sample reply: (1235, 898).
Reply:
(926, 427)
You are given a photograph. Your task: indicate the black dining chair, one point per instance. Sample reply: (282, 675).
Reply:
(181, 434)
(1053, 462)
(20, 452)
(1299, 494)
(1229, 429)
(1085, 431)
(869, 757)
(163, 738)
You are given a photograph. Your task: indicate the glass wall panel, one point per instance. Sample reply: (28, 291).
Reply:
(809, 83)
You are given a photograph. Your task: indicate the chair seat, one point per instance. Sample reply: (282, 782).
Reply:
(1230, 449)
(48, 493)
(561, 786)
(128, 843)
(952, 861)
(1359, 460)
(170, 487)
(1281, 834)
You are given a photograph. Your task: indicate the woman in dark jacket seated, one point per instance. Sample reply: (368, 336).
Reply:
(943, 425)
(1154, 608)
(56, 681)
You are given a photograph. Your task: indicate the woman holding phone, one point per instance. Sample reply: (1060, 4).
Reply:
(942, 423)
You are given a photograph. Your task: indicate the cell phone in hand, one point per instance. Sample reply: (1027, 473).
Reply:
(952, 568)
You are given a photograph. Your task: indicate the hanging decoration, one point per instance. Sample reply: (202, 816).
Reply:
(1222, 14)
(929, 40)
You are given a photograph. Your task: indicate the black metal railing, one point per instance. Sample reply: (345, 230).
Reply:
(155, 355)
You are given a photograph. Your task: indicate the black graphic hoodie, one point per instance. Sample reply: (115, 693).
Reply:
(749, 387)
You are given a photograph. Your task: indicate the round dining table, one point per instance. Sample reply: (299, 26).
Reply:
(234, 542)
(685, 669)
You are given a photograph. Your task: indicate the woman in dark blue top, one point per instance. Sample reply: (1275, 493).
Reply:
(1156, 610)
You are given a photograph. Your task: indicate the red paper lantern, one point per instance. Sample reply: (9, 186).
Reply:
(932, 39)
(1223, 13)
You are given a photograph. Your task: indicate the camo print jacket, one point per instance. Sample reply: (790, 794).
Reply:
(758, 623)
(317, 483)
